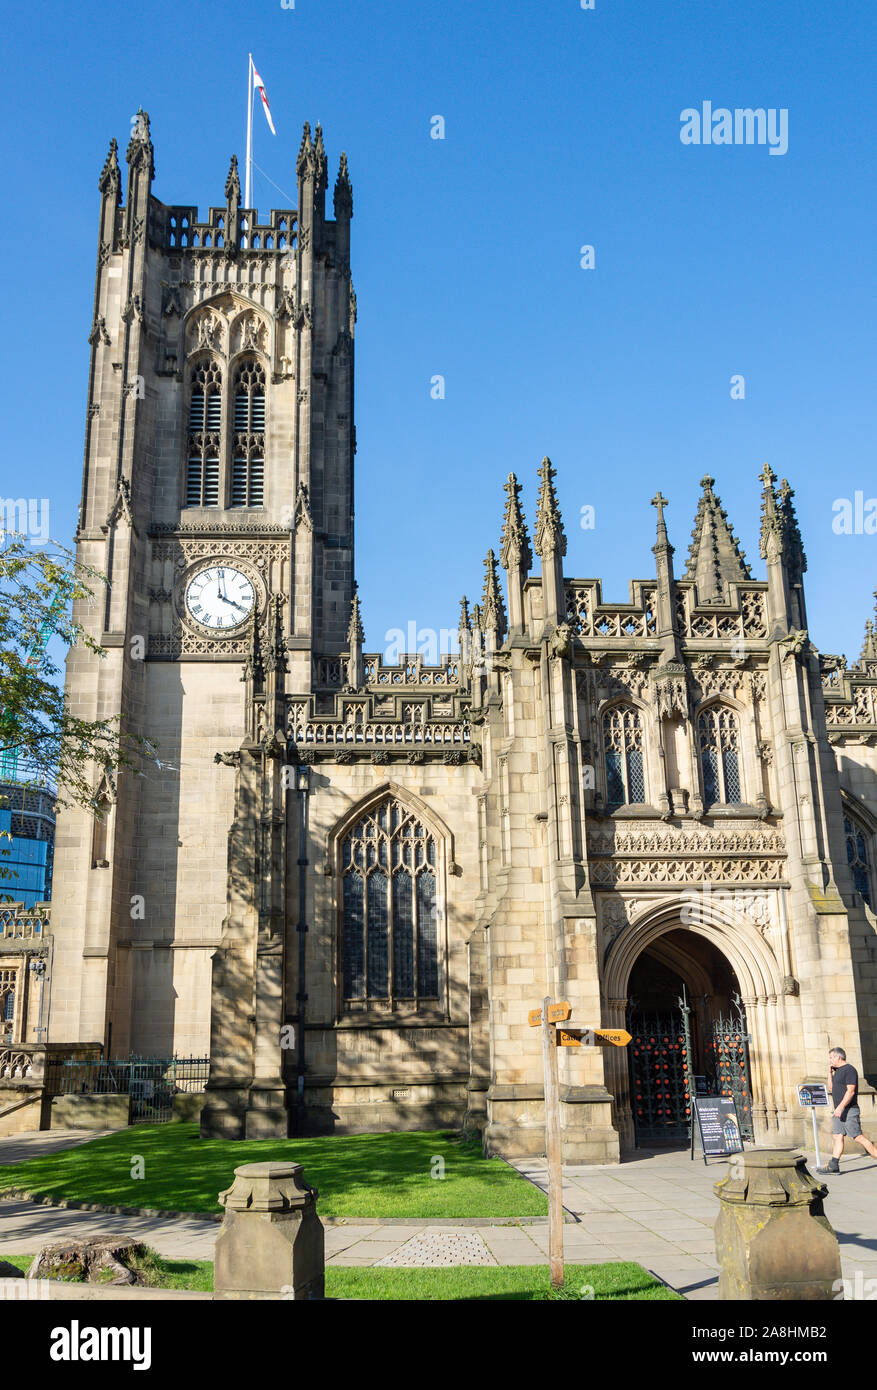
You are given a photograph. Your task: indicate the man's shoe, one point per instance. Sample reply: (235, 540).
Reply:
(833, 1167)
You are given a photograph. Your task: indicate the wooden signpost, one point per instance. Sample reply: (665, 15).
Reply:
(553, 1037)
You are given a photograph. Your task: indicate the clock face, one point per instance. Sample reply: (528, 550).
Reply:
(220, 597)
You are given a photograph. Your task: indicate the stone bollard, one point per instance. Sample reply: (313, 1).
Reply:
(773, 1241)
(270, 1243)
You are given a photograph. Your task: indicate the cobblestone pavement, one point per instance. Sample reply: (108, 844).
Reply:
(657, 1210)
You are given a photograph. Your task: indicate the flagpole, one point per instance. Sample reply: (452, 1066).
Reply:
(248, 176)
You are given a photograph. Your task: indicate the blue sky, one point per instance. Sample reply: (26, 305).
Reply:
(562, 129)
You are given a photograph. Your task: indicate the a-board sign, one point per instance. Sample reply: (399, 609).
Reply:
(718, 1125)
(812, 1093)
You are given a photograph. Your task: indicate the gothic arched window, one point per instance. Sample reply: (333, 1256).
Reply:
(205, 424)
(390, 930)
(719, 742)
(858, 859)
(7, 1004)
(623, 753)
(248, 464)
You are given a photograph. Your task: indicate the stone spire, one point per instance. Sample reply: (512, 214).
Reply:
(869, 650)
(714, 556)
(355, 639)
(355, 631)
(305, 152)
(550, 545)
(140, 154)
(780, 546)
(232, 204)
(464, 630)
(771, 538)
(494, 619)
(665, 596)
(550, 534)
(515, 547)
(110, 181)
(515, 555)
(343, 191)
(321, 164)
(794, 545)
(233, 183)
(141, 172)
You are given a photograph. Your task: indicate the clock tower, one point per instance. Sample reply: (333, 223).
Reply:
(217, 500)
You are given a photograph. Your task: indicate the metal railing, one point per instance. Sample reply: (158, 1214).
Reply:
(126, 1075)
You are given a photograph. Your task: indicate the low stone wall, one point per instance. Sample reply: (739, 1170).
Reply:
(90, 1112)
(188, 1106)
(369, 1108)
(22, 1119)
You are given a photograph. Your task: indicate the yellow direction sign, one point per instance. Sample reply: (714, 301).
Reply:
(591, 1037)
(557, 1013)
(619, 1037)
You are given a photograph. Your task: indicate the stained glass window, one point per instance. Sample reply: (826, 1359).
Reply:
(720, 756)
(858, 860)
(390, 935)
(623, 753)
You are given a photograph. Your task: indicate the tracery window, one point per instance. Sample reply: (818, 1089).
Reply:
(858, 860)
(204, 440)
(623, 754)
(719, 741)
(248, 464)
(390, 930)
(7, 1004)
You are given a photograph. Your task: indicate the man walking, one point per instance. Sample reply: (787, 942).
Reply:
(843, 1082)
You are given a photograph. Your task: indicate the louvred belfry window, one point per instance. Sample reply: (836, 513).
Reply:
(390, 929)
(204, 437)
(248, 463)
(719, 741)
(623, 755)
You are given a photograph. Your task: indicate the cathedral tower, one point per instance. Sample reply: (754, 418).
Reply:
(218, 500)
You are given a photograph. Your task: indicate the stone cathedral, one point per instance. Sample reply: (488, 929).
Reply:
(348, 881)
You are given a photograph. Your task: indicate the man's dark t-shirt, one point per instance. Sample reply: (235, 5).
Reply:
(843, 1077)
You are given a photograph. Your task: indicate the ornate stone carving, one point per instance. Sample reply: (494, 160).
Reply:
(560, 641)
(670, 693)
(99, 332)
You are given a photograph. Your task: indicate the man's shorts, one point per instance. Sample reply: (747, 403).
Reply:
(850, 1125)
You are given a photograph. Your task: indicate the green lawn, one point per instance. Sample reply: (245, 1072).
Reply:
(371, 1175)
(515, 1283)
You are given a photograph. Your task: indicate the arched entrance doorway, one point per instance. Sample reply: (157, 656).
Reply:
(689, 1035)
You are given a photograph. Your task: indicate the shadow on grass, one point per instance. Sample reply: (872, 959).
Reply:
(356, 1175)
